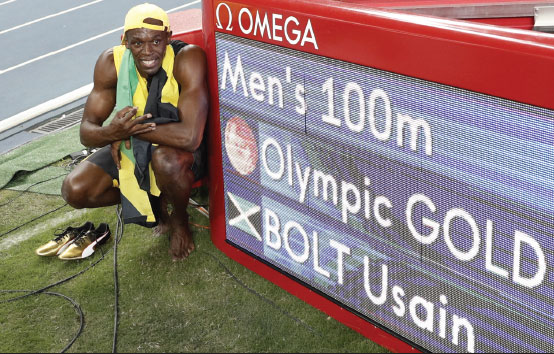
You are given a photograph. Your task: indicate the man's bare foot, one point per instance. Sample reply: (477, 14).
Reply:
(160, 229)
(180, 242)
(164, 224)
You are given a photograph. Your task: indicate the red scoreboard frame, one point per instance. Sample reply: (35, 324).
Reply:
(512, 64)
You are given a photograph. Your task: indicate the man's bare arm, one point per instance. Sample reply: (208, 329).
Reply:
(100, 104)
(190, 72)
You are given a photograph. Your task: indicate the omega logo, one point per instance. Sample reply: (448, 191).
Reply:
(270, 26)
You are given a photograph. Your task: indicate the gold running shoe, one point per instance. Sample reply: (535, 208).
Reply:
(85, 245)
(63, 240)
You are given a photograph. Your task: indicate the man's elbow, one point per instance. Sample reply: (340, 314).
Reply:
(84, 136)
(191, 143)
(85, 141)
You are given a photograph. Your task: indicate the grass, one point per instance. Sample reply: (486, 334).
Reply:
(188, 306)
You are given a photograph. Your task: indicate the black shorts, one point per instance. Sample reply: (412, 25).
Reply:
(103, 158)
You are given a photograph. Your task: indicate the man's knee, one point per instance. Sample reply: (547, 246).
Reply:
(87, 187)
(170, 163)
(73, 192)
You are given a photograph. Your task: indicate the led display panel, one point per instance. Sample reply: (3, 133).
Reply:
(423, 208)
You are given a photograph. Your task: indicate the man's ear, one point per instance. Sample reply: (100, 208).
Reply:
(169, 34)
(125, 41)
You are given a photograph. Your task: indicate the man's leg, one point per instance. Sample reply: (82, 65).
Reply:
(175, 178)
(89, 186)
(163, 216)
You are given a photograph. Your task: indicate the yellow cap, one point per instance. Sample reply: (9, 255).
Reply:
(136, 16)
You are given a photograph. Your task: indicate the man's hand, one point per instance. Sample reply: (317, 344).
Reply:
(125, 126)
(116, 153)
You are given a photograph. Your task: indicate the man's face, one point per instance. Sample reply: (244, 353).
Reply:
(148, 49)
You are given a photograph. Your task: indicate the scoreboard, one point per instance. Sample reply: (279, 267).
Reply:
(377, 163)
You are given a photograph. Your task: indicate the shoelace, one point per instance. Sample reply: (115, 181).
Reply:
(62, 233)
(81, 238)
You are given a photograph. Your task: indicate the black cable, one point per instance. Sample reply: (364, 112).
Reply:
(42, 290)
(75, 162)
(33, 292)
(75, 305)
(265, 299)
(26, 189)
(118, 236)
(68, 167)
(30, 221)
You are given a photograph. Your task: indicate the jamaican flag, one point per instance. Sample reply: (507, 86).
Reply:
(157, 96)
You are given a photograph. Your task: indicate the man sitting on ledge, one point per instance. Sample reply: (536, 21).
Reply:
(152, 150)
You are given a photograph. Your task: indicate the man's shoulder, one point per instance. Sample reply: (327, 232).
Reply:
(106, 57)
(190, 65)
(189, 52)
(105, 73)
